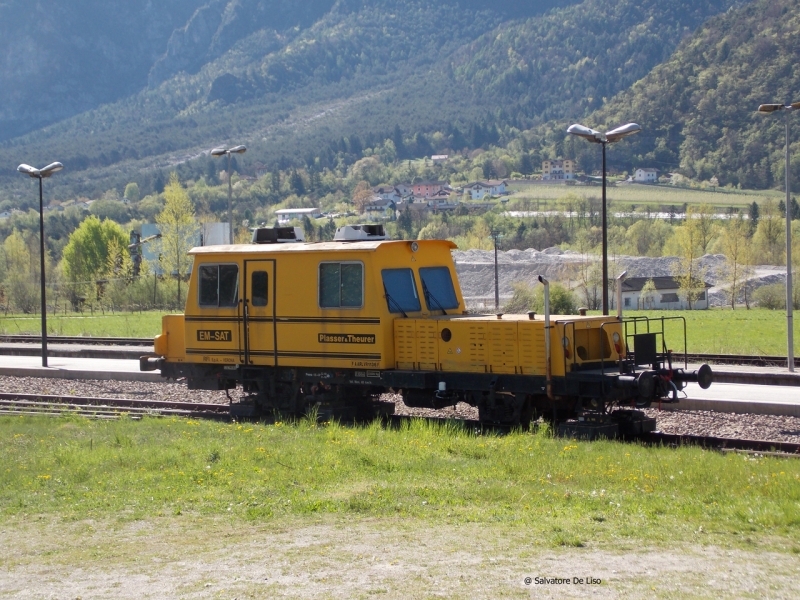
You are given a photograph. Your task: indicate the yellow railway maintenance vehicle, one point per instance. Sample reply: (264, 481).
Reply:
(335, 324)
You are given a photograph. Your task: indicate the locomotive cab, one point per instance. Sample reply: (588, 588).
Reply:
(333, 325)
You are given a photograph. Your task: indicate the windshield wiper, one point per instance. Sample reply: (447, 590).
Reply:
(391, 301)
(432, 297)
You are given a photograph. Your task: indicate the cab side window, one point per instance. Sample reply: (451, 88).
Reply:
(341, 285)
(218, 286)
(259, 288)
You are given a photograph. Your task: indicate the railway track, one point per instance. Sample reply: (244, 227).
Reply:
(114, 408)
(733, 359)
(105, 408)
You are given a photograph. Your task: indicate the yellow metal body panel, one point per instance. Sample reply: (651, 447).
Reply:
(308, 335)
(170, 343)
(511, 344)
(291, 329)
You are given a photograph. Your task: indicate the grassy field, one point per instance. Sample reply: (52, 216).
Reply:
(179, 508)
(715, 331)
(647, 195)
(571, 492)
(121, 324)
(724, 331)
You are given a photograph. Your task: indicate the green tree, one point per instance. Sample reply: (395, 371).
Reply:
(178, 231)
(22, 271)
(525, 298)
(736, 248)
(769, 235)
(132, 192)
(85, 256)
(686, 243)
(753, 213)
(703, 220)
(648, 294)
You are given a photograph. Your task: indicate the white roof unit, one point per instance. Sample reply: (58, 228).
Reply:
(359, 233)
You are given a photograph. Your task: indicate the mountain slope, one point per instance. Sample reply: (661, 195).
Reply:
(58, 59)
(698, 109)
(360, 69)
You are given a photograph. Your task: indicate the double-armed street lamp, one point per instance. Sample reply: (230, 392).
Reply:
(42, 174)
(227, 152)
(609, 137)
(787, 108)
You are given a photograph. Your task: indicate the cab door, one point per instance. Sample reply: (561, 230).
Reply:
(260, 341)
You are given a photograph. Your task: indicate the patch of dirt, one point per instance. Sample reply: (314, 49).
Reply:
(208, 557)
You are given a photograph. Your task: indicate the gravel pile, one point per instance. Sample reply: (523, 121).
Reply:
(475, 270)
(747, 426)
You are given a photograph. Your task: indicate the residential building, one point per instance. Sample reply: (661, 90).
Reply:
(666, 295)
(558, 169)
(379, 209)
(478, 189)
(404, 189)
(645, 175)
(287, 214)
(260, 169)
(387, 192)
(426, 189)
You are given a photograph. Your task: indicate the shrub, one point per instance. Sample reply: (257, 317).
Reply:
(771, 296)
(526, 298)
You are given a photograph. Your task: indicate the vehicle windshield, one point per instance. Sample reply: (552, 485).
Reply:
(437, 286)
(401, 290)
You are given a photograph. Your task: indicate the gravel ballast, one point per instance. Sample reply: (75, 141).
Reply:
(738, 426)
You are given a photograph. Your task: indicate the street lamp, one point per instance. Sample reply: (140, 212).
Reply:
(41, 174)
(609, 137)
(228, 152)
(495, 236)
(787, 108)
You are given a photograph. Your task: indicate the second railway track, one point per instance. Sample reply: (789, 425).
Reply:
(76, 339)
(720, 359)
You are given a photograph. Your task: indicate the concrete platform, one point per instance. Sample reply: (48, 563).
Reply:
(117, 369)
(741, 398)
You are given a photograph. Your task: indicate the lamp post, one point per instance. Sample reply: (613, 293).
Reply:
(495, 236)
(227, 152)
(42, 174)
(608, 137)
(787, 108)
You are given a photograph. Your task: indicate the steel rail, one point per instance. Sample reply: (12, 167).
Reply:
(108, 406)
(76, 339)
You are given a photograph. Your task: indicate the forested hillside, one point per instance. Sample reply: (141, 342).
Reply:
(698, 109)
(314, 85)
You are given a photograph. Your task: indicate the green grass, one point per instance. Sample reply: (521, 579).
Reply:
(725, 331)
(569, 492)
(648, 195)
(121, 324)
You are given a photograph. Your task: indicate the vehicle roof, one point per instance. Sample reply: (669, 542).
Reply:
(365, 246)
